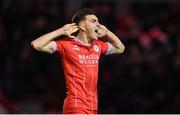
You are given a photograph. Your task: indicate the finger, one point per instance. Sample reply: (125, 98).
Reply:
(102, 27)
(73, 24)
(74, 27)
(69, 27)
(99, 25)
(71, 36)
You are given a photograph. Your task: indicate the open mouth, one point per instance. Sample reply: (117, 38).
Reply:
(96, 34)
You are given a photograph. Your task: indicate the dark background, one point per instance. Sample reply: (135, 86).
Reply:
(144, 79)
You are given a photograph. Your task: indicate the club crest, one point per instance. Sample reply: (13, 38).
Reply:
(96, 48)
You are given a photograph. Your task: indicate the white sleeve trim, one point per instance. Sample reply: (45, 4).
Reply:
(53, 46)
(111, 49)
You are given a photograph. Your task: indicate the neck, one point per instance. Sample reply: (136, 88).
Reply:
(83, 37)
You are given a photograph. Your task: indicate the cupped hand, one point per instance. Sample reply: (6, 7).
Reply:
(102, 31)
(69, 29)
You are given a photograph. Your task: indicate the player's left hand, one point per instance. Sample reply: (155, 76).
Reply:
(102, 31)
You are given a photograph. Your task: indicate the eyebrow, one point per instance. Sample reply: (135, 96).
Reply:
(94, 19)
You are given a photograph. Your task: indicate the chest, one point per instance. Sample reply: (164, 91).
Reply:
(86, 55)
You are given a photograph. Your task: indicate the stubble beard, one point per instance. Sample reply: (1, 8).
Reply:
(93, 35)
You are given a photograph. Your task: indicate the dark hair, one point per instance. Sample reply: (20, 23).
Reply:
(80, 15)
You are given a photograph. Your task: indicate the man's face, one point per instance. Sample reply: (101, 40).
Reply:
(91, 25)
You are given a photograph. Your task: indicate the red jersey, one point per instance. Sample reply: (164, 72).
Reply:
(80, 64)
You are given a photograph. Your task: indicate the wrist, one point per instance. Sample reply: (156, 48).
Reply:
(59, 32)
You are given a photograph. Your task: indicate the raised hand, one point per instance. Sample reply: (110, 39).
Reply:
(68, 29)
(102, 31)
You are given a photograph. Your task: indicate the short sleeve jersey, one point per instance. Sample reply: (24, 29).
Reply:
(80, 64)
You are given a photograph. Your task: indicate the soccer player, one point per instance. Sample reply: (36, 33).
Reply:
(80, 58)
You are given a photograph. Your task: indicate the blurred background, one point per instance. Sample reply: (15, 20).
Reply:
(144, 79)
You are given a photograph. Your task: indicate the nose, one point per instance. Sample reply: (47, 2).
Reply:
(98, 25)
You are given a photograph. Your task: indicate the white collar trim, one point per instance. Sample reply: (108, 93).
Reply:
(76, 39)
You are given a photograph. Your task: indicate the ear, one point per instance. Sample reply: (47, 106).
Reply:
(82, 26)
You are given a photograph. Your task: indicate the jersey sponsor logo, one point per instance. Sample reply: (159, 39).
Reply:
(88, 59)
(96, 48)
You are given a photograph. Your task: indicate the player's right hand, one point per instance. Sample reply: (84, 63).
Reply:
(68, 29)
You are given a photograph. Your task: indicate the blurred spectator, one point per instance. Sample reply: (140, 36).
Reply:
(6, 106)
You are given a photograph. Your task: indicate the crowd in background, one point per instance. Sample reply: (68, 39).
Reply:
(144, 79)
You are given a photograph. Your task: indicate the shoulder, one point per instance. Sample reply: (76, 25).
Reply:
(61, 44)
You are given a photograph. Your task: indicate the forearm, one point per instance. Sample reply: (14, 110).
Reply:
(46, 38)
(115, 41)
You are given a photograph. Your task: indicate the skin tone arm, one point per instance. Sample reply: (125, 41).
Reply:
(113, 39)
(43, 42)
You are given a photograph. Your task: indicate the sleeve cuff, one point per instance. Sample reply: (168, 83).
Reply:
(54, 46)
(111, 49)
